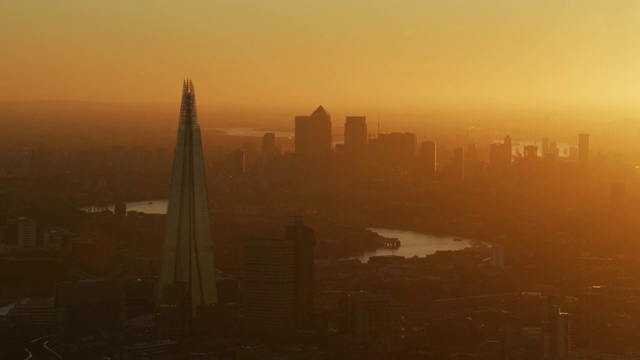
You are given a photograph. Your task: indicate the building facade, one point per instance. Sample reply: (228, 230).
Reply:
(187, 283)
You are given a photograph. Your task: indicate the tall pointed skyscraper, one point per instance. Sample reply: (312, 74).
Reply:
(187, 285)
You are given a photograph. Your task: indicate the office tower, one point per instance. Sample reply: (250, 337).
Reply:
(21, 233)
(89, 316)
(429, 156)
(187, 283)
(302, 236)
(583, 151)
(313, 134)
(278, 282)
(269, 144)
(553, 148)
(556, 337)
(545, 146)
(393, 150)
(355, 138)
(500, 156)
(508, 149)
(472, 152)
(370, 318)
(36, 314)
(458, 164)
(593, 317)
(269, 286)
(531, 152)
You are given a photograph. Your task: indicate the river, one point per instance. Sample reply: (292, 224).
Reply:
(412, 243)
(147, 206)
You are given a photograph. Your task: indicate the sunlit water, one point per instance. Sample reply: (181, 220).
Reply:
(412, 243)
(147, 206)
(415, 244)
(249, 132)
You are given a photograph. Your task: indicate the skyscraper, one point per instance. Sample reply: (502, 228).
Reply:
(269, 287)
(429, 157)
(302, 237)
(355, 138)
(313, 134)
(279, 282)
(269, 144)
(583, 151)
(545, 146)
(458, 164)
(500, 156)
(393, 150)
(187, 284)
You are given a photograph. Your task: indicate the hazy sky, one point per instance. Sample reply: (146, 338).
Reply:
(368, 53)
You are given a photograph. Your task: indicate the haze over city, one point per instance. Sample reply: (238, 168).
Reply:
(526, 55)
(272, 179)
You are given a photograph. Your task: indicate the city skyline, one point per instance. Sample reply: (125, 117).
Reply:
(442, 179)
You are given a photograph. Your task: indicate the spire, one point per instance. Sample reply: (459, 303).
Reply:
(188, 113)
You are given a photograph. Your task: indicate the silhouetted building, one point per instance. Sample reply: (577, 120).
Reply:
(583, 151)
(7, 204)
(458, 164)
(531, 152)
(371, 318)
(228, 290)
(269, 287)
(593, 317)
(500, 156)
(20, 233)
(269, 144)
(304, 241)
(393, 150)
(556, 336)
(508, 148)
(429, 158)
(553, 149)
(89, 317)
(279, 282)
(37, 314)
(140, 297)
(187, 283)
(545, 146)
(355, 138)
(472, 152)
(313, 134)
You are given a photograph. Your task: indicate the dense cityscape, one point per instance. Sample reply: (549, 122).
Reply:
(545, 266)
(442, 179)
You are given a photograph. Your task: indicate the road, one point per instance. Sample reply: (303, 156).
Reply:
(39, 349)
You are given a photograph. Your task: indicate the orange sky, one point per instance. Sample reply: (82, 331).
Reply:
(360, 53)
